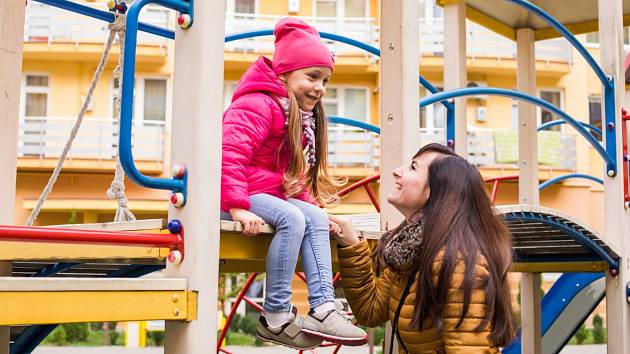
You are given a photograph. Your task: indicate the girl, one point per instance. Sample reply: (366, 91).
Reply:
(274, 171)
(444, 283)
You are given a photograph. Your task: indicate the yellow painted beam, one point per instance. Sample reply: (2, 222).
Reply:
(559, 267)
(24, 251)
(575, 28)
(96, 205)
(490, 23)
(47, 307)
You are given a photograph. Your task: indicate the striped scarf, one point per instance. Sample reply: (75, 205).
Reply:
(308, 129)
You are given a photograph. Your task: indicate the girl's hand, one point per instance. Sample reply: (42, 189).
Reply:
(252, 223)
(335, 229)
(348, 236)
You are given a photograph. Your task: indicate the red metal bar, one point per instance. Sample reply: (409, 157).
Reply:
(301, 276)
(358, 184)
(495, 189)
(224, 351)
(253, 304)
(61, 235)
(495, 184)
(373, 198)
(624, 138)
(336, 278)
(228, 321)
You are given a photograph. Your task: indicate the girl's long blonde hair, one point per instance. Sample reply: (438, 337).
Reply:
(299, 175)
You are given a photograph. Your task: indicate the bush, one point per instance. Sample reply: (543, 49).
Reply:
(155, 338)
(581, 334)
(76, 332)
(57, 337)
(243, 339)
(247, 325)
(599, 331)
(379, 334)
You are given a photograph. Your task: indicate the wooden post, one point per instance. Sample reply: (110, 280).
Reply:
(400, 55)
(11, 37)
(196, 143)
(455, 61)
(528, 183)
(617, 218)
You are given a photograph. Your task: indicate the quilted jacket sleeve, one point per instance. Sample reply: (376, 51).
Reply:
(367, 294)
(246, 124)
(463, 338)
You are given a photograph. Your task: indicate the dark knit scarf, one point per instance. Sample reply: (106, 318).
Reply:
(404, 244)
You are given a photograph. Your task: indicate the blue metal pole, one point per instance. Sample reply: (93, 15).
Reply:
(105, 16)
(354, 123)
(555, 24)
(555, 180)
(126, 110)
(608, 154)
(553, 123)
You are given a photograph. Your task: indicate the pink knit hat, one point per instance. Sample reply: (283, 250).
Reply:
(298, 46)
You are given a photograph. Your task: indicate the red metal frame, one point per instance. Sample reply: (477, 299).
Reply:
(625, 117)
(495, 184)
(98, 237)
(365, 183)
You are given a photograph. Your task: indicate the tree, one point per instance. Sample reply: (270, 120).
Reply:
(581, 334)
(599, 331)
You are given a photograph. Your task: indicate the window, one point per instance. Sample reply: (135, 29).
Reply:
(433, 116)
(36, 92)
(355, 8)
(595, 112)
(347, 102)
(555, 98)
(245, 6)
(155, 100)
(341, 8)
(326, 8)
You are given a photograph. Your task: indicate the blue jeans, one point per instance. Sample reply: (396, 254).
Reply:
(301, 229)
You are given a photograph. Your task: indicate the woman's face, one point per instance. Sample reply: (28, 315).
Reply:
(411, 185)
(308, 85)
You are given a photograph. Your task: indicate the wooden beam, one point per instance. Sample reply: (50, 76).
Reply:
(455, 60)
(11, 37)
(196, 143)
(531, 333)
(616, 217)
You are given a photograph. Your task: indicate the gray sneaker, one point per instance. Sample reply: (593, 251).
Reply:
(334, 326)
(289, 334)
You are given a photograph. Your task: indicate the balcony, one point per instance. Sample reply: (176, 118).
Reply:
(48, 24)
(42, 139)
(481, 42)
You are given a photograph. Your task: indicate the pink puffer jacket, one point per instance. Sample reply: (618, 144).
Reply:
(254, 156)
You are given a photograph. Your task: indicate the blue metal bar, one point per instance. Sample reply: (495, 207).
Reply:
(105, 16)
(55, 268)
(558, 300)
(578, 236)
(354, 123)
(553, 123)
(555, 24)
(555, 180)
(34, 335)
(608, 154)
(126, 110)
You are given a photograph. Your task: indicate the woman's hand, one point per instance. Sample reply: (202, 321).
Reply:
(347, 237)
(252, 223)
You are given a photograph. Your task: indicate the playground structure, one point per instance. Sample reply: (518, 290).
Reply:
(545, 240)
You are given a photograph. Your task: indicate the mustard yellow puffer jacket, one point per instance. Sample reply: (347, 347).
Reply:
(374, 300)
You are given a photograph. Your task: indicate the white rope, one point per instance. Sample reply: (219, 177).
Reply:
(113, 29)
(117, 188)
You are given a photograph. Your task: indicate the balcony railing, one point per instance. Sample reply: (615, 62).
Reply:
(490, 147)
(481, 42)
(363, 29)
(49, 24)
(45, 137)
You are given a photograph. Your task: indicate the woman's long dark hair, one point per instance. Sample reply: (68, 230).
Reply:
(460, 220)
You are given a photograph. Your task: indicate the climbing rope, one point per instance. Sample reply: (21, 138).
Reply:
(117, 187)
(114, 28)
